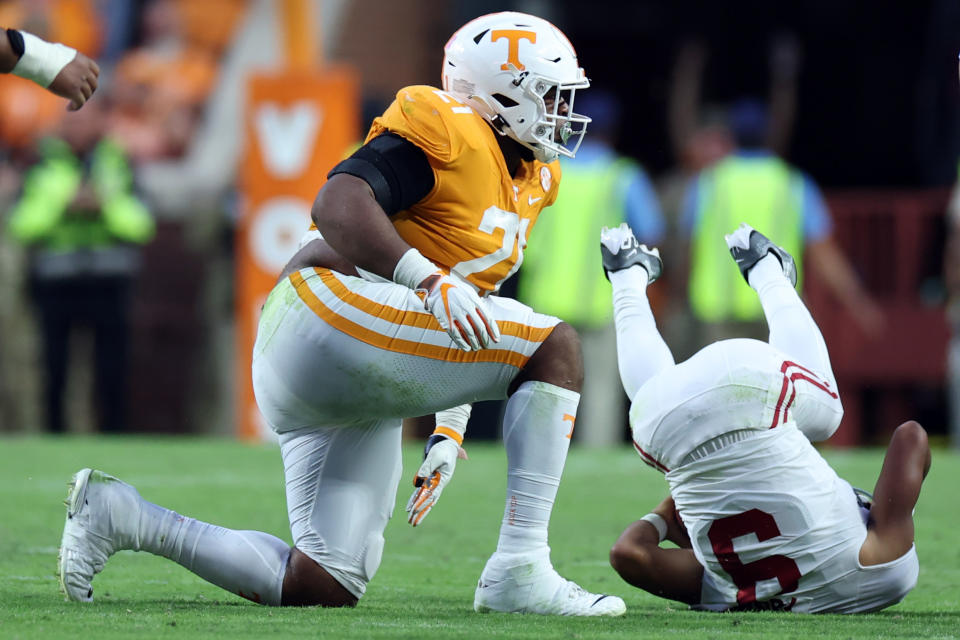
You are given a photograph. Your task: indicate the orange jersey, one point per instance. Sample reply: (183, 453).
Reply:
(476, 219)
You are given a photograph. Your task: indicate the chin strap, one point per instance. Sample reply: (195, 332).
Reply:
(499, 124)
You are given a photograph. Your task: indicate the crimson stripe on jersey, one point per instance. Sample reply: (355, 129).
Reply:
(812, 381)
(649, 459)
(789, 383)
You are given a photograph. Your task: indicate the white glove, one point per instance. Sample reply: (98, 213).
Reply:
(440, 459)
(460, 311)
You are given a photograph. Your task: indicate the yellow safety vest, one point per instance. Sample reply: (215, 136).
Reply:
(766, 194)
(561, 274)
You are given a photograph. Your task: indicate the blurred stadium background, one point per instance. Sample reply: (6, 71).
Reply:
(232, 111)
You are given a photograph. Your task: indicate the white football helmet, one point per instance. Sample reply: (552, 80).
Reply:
(504, 65)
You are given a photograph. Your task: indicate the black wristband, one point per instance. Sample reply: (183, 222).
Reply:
(16, 42)
(432, 440)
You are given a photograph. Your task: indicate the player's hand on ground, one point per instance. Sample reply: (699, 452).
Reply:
(676, 531)
(439, 461)
(460, 312)
(77, 81)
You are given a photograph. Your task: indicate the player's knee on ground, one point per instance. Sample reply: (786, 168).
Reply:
(558, 361)
(307, 584)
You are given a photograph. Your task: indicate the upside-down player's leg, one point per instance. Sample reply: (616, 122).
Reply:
(771, 272)
(812, 400)
(630, 266)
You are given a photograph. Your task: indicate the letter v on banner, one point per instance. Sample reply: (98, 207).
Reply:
(299, 123)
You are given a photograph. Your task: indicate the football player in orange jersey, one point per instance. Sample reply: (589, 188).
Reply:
(62, 70)
(391, 314)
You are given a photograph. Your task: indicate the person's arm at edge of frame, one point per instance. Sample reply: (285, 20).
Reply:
(890, 528)
(63, 71)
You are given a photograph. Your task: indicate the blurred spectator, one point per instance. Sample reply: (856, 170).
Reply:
(698, 134)
(560, 275)
(951, 278)
(159, 88)
(755, 186)
(119, 20)
(699, 137)
(81, 222)
(75, 23)
(733, 172)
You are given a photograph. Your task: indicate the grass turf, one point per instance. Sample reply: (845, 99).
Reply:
(425, 584)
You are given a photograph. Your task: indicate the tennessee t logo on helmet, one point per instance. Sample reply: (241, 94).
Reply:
(513, 37)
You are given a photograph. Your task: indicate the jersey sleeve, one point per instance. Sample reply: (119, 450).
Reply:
(422, 114)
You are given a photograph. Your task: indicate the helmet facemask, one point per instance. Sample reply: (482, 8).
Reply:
(559, 130)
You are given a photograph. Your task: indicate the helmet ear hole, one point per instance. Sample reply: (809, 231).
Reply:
(505, 101)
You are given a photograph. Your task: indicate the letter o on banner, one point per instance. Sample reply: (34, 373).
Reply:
(277, 227)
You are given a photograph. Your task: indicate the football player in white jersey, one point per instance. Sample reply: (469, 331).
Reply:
(761, 519)
(390, 315)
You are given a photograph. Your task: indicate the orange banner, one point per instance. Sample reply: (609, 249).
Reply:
(298, 125)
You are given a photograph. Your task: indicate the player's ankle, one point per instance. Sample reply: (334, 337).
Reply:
(767, 269)
(530, 541)
(633, 277)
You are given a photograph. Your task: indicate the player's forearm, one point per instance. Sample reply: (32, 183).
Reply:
(669, 573)
(355, 226)
(8, 57)
(905, 465)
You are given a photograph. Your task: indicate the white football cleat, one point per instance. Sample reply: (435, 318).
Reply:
(101, 510)
(528, 583)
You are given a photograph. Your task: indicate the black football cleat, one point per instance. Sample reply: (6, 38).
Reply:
(620, 249)
(748, 246)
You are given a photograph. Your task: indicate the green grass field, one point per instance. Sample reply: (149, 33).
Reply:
(424, 588)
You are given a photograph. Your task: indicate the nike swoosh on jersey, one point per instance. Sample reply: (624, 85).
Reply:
(531, 199)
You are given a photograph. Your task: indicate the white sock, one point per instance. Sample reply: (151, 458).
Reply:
(641, 351)
(536, 433)
(250, 564)
(792, 329)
